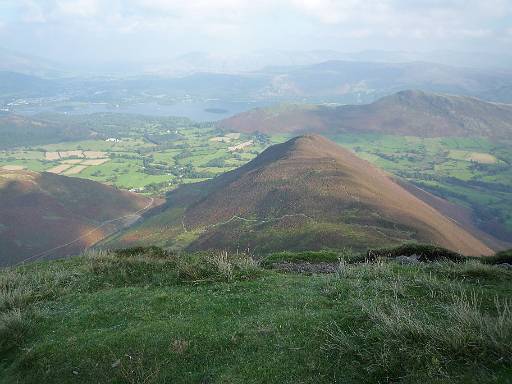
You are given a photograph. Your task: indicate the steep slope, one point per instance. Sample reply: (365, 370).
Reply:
(40, 212)
(307, 193)
(414, 113)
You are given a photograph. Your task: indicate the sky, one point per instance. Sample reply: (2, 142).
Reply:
(138, 30)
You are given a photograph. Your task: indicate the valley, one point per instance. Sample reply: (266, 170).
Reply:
(306, 193)
(148, 154)
(255, 192)
(155, 155)
(449, 168)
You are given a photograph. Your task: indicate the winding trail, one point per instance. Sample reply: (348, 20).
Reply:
(47, 252)
(235, 217)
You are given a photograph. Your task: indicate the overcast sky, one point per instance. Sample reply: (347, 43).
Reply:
(107, 30)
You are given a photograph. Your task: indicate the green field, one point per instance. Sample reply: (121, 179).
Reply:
(155, 155)
(151, 155)
(154, 317)
(459, 169)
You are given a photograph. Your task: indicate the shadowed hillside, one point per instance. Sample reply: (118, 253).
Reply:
(40, 212)
(18, 131)
(307, 193)
(413, 113)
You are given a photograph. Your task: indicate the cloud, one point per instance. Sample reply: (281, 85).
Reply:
(32, 12)
(187, 25)
(80, 8)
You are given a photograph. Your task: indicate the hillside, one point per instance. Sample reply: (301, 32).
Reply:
(149, 316)
(19, 131)
(413, 113)
(40, 212)
(360, 81)
(307, 193)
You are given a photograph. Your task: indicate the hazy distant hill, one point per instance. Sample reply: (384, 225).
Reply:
(15, 83)
(39, 212)
(502, 94)
(307, 193)
(357, 82)
(331, 81)
(414, 113)
(17, 131)
(13, 61)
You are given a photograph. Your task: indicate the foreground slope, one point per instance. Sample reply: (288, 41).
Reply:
(168, 318)
(42, 211)
(307, 193)
(412, 113)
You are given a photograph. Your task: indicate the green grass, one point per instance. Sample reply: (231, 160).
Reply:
(424, 252)
(139, 163)
(438, 162)
(443, 164)
(149, 316)
(330, 256)
(500, 258)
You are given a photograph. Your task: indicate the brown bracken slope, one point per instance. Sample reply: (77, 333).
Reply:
(413, 113)
(43, 211)
(307, 193)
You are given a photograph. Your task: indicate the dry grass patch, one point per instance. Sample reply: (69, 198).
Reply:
(59, 168)
(482, 158)
(95, 154)
(72, 161)
(95, 162)
(13, 167)
(75, 170)
(51, 156)
(66, 154)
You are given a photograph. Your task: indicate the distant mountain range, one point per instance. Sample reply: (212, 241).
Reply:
(358, 82)
(331, 81)
(248, 61)
(13, 61)
(307, 193)
(413, 113)
(43, 215)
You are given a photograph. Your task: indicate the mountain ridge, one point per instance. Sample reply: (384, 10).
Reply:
(307, 193)
(411, 112)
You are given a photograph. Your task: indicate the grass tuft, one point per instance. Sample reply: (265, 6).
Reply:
(328, 256)
(13, 327)
(426, 253)
(500, 258)
(396, 337)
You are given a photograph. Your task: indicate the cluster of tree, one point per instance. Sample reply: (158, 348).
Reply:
(156, 187)
(219, 162)
(127, 156)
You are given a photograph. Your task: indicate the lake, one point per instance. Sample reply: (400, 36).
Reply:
(200, 111)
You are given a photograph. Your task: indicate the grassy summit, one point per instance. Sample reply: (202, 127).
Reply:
(149, 316)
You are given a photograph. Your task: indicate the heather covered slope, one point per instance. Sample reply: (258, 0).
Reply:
(39, 212)
(412, 113)
(307, 193)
